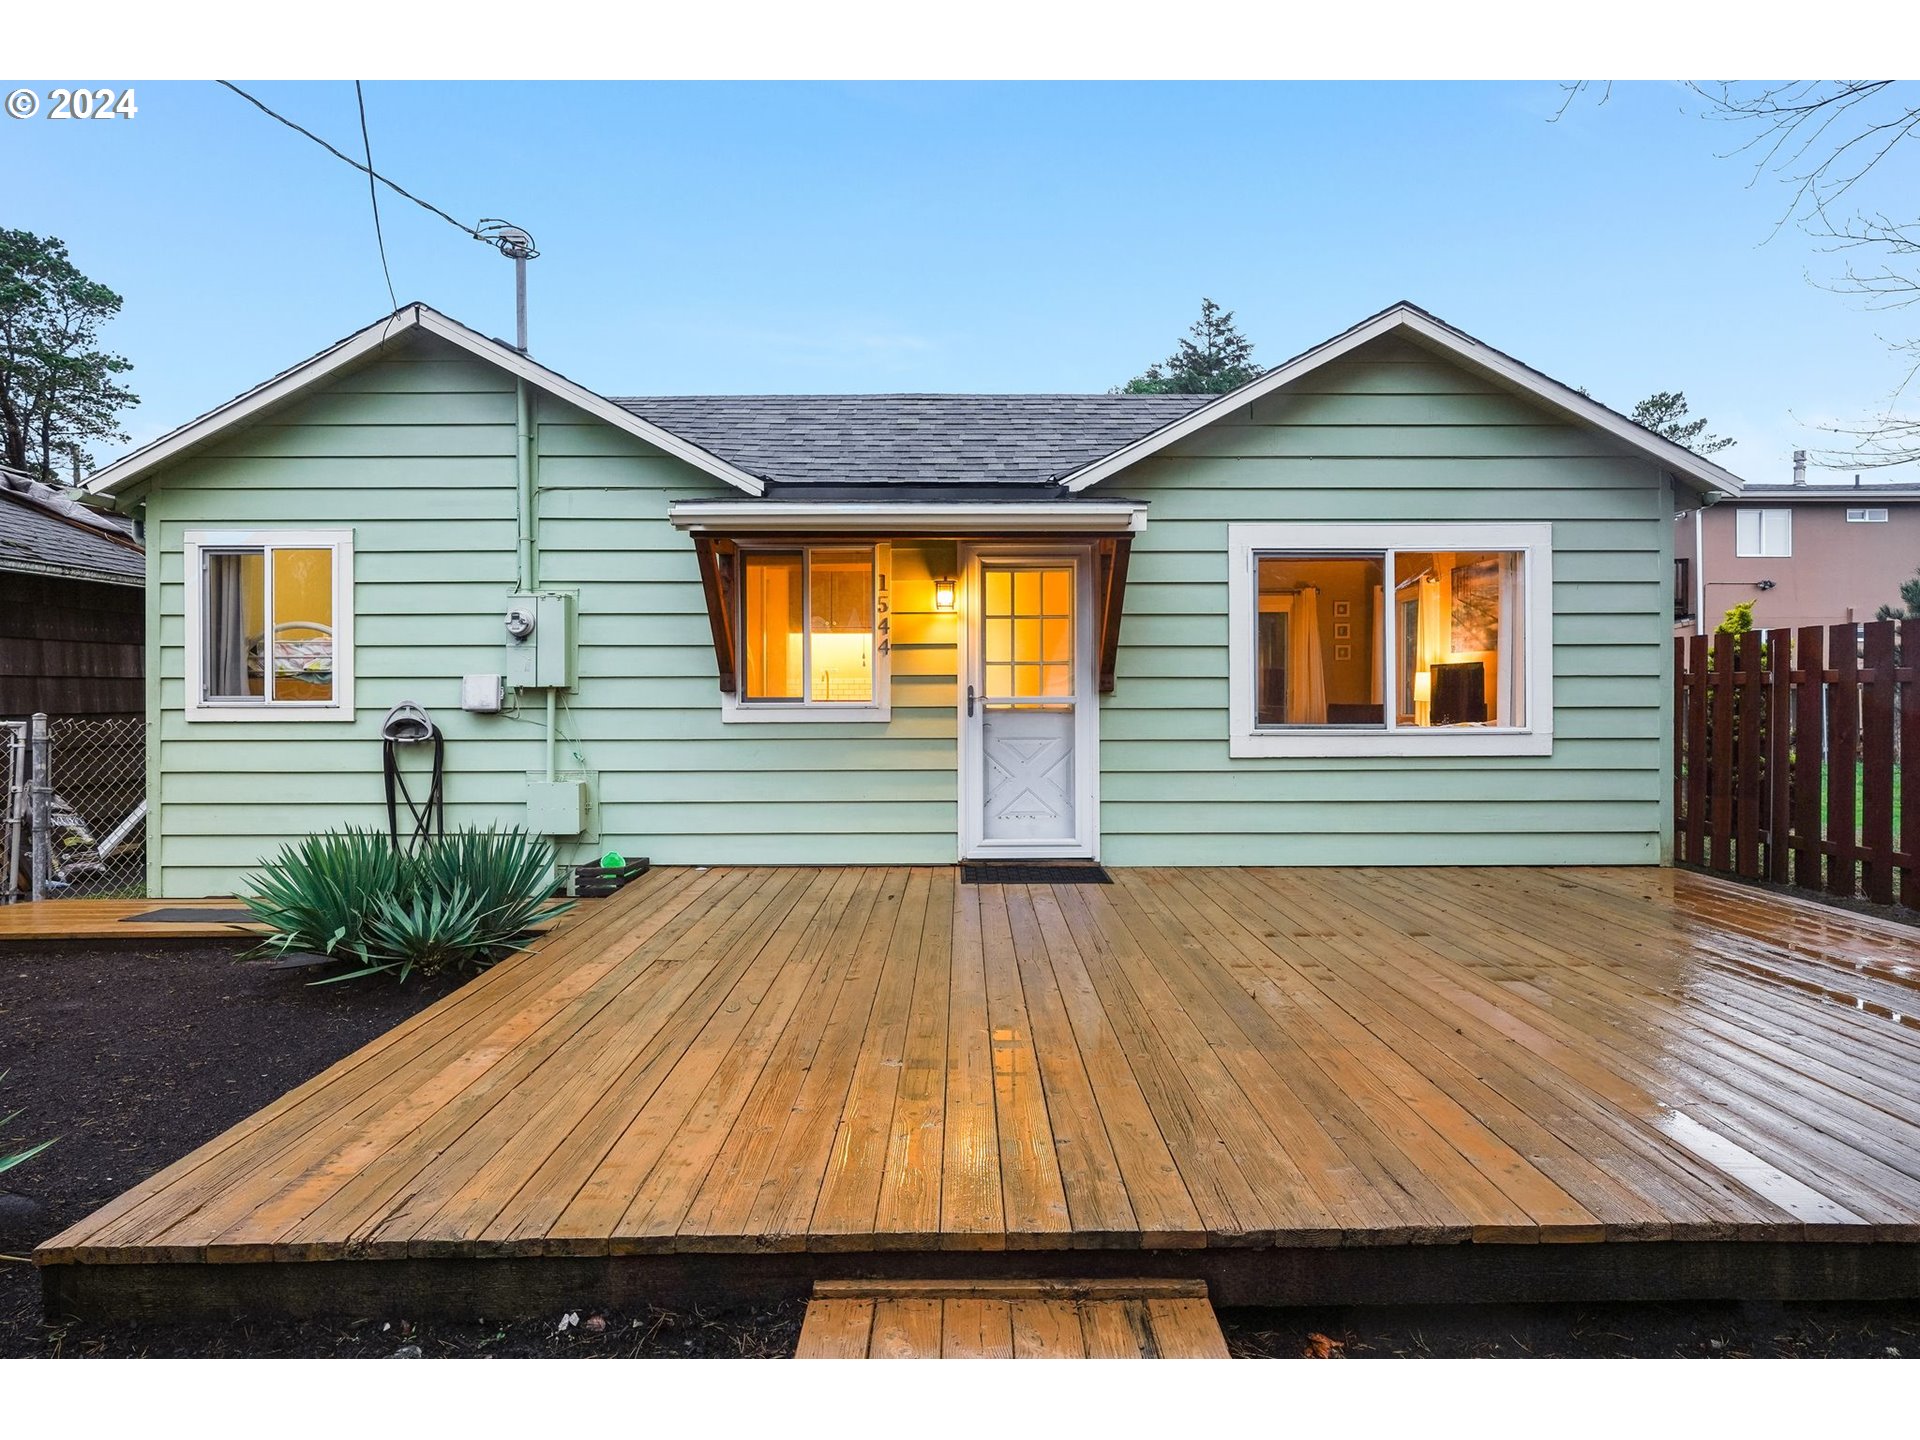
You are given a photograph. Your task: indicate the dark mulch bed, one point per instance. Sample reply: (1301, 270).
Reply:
(134, 1055)
(1889, 1329)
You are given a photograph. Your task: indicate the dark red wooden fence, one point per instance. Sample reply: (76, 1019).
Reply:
(1768, 724)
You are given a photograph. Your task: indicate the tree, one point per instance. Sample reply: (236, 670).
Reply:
(1211, 359)
(1910, 598)
(1829, 143)
(58, 389)
(1665, 413)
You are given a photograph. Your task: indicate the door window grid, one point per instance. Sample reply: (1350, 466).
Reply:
(1027, 633)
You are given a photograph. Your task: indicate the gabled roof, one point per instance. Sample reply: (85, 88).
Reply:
(1433, 334)
(383, 334)
(44, 532)
(948, 441)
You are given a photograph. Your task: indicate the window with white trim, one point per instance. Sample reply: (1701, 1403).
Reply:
(1762, 534)
(269, 624)
(814, 633)
(1390, 639)
(1875, 515)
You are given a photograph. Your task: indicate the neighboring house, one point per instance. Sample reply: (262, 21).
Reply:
(1804, 554)
(71, 614)
(1402, 600)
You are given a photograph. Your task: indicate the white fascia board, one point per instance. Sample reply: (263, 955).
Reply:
(129, 469)
(1039, 517)
(1703, 474)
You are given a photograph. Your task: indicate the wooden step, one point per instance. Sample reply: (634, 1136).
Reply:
(1011, 1320)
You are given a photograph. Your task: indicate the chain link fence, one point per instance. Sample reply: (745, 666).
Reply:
(76, 807)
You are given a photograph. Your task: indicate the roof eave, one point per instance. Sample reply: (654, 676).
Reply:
(1700, 473)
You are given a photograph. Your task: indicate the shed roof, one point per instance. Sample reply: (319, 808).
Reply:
(40, 534)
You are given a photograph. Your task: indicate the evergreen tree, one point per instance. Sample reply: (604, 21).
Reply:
(58, 389)
(1910, 596)
(1665, 413)
(1212, 358)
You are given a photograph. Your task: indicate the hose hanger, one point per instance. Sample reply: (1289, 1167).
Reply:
(409, 724)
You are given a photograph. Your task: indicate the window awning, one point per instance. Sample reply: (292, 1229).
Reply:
(717, 528)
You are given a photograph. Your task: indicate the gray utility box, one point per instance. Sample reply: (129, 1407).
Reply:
(540, 640)
(556, 807)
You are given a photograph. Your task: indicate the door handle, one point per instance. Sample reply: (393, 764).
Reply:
(969, 702)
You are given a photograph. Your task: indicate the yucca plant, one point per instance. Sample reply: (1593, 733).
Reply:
(317, 893)
(18, 1157)
(463, 900)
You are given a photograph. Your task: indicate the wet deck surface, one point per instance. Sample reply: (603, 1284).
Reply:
(859, 1060)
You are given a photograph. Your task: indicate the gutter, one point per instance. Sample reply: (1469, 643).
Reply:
(880, 517)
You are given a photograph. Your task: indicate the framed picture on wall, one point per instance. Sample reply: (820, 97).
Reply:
(1342, 609)
(1343, 652)
(1343, 631)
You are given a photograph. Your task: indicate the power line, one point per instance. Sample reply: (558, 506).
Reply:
(373, 196)
(366, 169)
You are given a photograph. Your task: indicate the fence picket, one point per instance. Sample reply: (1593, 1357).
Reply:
(1876, 761)
(1810, 731)
(1909, 861)
(1697, 764)
(1843, 759)
(1779, 818)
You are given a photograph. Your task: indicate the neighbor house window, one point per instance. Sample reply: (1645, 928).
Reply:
(1874, 516)
(1390, 639)
(814, 632)
(1762, 533)
(269, 624)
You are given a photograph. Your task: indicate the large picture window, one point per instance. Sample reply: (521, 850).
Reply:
(814, 632)
(269, 624)
(1390, 639)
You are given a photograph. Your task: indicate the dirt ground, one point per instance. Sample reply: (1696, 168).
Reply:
(132, 1056)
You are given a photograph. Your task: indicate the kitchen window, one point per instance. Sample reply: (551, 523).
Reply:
(814, 633)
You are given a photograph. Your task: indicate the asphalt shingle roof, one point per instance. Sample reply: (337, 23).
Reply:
(936, 440)
(36, 540)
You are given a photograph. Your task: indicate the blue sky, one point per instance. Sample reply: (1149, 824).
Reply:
(1000, 237)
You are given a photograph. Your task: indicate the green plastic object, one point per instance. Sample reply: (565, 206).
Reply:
(613, 860)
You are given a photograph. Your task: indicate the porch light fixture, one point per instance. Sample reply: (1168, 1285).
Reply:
(943, 593)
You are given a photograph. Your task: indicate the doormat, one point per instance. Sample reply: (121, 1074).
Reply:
(1028, 872)
(187, 915)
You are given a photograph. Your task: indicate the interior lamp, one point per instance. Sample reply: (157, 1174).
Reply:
(943, 593)
(1422, 696)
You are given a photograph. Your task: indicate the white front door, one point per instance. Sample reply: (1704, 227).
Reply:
(1028, 705)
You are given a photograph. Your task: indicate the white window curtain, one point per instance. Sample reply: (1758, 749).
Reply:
(1306, 663)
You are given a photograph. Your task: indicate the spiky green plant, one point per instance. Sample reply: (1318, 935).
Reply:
(18, 1157)
(462, 900)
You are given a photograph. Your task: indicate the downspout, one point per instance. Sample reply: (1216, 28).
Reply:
(1699, 572)
(527, 487)
(523, 485)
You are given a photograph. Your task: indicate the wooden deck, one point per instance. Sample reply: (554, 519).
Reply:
(109, 920)
(1020, 1320)
(1252, 1076)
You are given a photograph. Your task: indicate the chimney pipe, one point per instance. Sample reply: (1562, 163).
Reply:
(1799, 467)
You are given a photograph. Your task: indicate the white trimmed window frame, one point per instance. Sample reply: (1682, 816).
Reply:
(734, 710)
(1772, 533)
(196, 545)
(1246, 739)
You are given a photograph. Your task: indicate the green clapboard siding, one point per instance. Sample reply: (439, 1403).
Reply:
(1392, 434)
(415, 454)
